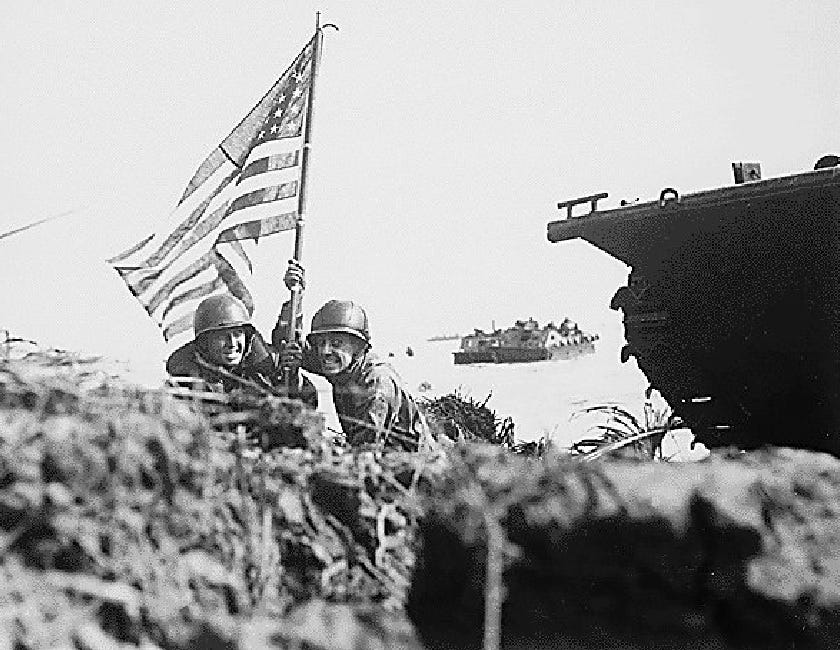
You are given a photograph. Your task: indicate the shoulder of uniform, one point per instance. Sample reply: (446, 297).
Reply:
(380, 375)
(374, 365)
(182, 361)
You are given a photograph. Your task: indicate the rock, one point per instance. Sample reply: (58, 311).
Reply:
(730, 552)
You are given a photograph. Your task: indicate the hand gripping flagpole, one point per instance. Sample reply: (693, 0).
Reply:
(296, 298)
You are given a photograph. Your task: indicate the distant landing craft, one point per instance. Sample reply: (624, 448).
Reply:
(526, 341)
(444, 337)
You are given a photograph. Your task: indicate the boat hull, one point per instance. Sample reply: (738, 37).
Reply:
(523, 355)
(732, 307)
(564, 352)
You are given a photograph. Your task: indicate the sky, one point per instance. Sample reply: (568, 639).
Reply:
(444, 134)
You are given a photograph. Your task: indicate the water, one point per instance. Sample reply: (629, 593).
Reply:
(544, 397)
(541, 397)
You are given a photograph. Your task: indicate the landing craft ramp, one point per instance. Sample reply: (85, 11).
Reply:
(732, 306)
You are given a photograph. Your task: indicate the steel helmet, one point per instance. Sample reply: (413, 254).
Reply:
(341, 316)
(219, 312)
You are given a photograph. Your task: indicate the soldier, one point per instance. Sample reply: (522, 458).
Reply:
(371, 401)
(229, 353)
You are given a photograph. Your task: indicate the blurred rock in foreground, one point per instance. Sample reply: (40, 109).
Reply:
(732, 552)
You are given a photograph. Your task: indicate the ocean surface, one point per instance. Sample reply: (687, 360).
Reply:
(541, 396)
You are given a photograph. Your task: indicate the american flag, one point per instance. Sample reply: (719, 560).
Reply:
(247, 188)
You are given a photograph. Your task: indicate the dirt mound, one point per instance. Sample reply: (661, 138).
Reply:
(130, 518)
(738, 552)
(127, 516)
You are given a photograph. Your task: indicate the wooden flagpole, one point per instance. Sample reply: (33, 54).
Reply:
(295, 301)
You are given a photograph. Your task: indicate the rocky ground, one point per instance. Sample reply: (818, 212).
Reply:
(738, 551)
(134, 518)
(128, 516)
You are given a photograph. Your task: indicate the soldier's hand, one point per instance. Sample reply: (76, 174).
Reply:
(295, 276)
(291, 355)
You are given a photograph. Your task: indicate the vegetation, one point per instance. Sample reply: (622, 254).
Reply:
(619, 432)
(173, 518)
(130, 516)
(460, 417)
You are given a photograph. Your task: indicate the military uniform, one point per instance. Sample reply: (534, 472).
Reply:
(258, 367)
(256, 371)
(371, 401)
(373, 405)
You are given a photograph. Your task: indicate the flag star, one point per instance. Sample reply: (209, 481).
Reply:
(275, 128)
(262, 133)
(297, 93)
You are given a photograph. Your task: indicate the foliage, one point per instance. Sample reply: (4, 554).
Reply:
(460, 417)
(533, 448)
(619, 432)
(127, 515)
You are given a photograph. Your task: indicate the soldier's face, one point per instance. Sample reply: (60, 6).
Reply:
(225, 347)
(336, 351)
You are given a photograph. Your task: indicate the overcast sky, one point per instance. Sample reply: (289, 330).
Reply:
(444, 134)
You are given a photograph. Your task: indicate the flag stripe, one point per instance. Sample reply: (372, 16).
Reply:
(181, 325)
(228, 271)
(200, 291)
(234, 282)
(238, 248)
(202, 263)
(260, 227)
(141, 280)
(207, 226)
(265, 195)
(185, 227)
(202, 229)
(268, 148)
(123, 273)
(130, 251)
(270, 163)
(203, 277)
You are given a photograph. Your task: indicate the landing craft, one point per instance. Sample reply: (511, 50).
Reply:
(526, 341)
(732, 305)
(444, 337)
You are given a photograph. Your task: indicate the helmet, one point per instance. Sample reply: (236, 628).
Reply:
(341, 316)
(218, 312)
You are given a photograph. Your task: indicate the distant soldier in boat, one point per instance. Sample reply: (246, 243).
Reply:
(228, 353)
(371, 401)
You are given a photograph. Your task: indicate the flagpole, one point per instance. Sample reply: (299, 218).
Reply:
(295, 301)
